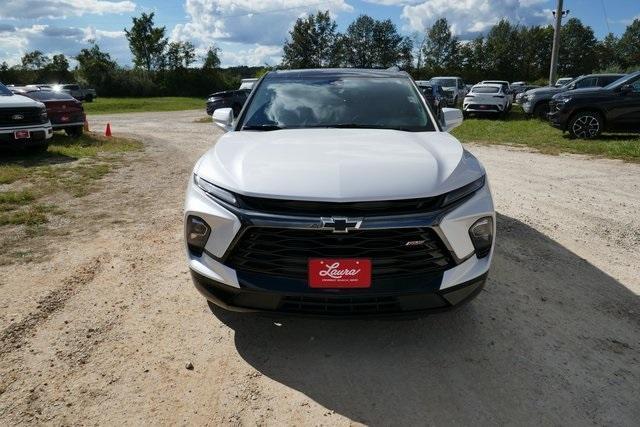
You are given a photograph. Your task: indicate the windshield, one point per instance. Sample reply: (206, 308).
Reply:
(622, 80)
(445, 82)
(485, 89)
(4, 91)
(336, 101)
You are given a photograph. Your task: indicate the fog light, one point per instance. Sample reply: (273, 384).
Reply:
(481, 233)
(197, 234)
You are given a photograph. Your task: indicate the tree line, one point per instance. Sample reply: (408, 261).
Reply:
(507, 51)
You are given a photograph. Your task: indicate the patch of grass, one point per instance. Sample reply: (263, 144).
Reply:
(205, 119)
(34, 215)
(133, 105)
(90, 145)
(517, 129)
(10, 173)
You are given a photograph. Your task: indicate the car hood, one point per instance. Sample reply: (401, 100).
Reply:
(587, 91)
(17, 101)
(545, 91)
(338, 164)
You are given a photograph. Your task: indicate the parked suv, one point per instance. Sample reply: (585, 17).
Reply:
(79, 93)
(585, 113)
(338, 192)
(454, 88)
(536, 101)
(234, 99)
(23, 122)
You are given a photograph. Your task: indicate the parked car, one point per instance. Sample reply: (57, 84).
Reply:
(585, 113)
(536, 101)
(23, 122)
(434, 95)
(78, 92)
(247, 83)
(234, 99)
(337, 192)
(64, 111)
(563, 81)
(521, 91)
(454, 88)
(506, 89)
(486, 98)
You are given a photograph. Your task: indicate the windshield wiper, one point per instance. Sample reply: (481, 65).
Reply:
(262, 127)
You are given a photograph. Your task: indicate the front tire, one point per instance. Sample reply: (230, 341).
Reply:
(586, 125)
(541, 110)
(74, 132)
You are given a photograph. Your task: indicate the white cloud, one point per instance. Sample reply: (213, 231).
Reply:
(256, 28)
(33, 9)
(16, 41)
(470, 17)
(255, 56)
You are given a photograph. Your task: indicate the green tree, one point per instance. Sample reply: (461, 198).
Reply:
(59, 64)
(146, 42)
(608, 55)
(369, 43)
(35, 60)
(95, 66)
(578, 49)
(211, 59)
(440, 48)
(629, 46)
(180, 55)
(503, 49)
(311, 42)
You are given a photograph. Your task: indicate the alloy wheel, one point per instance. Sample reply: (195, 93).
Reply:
(586, 126)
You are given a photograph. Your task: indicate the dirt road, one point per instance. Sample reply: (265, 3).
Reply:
(100, 331)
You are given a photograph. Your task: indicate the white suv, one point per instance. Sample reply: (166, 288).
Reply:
(336, 192)
(486, 98)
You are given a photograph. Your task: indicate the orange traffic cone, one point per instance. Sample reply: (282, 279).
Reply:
(107, 131)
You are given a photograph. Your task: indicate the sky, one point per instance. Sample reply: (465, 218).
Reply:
(251, 32)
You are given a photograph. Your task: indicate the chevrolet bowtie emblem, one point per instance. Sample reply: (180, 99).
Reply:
(340, 224)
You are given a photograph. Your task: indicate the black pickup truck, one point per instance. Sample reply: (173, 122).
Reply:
(585, 113)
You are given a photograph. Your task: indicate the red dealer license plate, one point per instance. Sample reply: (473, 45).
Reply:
(339, 273)
(21, 134)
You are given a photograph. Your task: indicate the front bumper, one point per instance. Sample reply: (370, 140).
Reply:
(39, 134)
(246, 291)
(559, 116)
(527, 106)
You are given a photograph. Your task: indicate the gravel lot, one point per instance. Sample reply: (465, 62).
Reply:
(101, 331)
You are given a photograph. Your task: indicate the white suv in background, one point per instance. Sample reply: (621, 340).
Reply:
(486, 98)
(337, 192)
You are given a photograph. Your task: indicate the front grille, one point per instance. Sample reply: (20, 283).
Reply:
(340, 305)
(30, 116)
(285, 252)
(319, 209)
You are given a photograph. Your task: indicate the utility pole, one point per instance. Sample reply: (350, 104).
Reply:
(558, 14)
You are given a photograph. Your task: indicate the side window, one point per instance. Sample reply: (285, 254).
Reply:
(587, 82)
(636, 86)
(460, 84)
(605, 80)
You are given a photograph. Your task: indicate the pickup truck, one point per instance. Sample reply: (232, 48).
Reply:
(23, 122)
(79, 93)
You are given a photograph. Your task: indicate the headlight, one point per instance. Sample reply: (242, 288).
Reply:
(214, 191)
(464, 191)
(481, 234)
(563, 100)
(43, 115)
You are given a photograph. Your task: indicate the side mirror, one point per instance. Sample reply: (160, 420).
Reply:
(626, 88)
(452, 118)
(223, 118)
